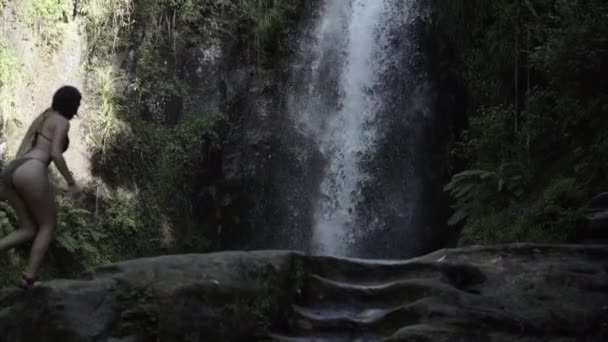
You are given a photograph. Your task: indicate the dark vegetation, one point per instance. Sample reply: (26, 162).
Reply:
(534, 145)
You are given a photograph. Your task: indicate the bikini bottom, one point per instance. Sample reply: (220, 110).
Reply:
(7, 173)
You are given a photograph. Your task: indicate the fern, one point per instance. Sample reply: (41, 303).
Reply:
(75, 230)
(475, 190)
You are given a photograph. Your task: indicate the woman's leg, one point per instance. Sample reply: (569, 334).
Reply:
(27, 224)
(33, 186)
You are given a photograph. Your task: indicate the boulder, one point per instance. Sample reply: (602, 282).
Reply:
(216, 297)
(518, 292)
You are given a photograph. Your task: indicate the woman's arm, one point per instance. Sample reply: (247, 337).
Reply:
(59, 139)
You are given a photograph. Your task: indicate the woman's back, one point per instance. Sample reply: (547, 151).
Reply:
(42, 132)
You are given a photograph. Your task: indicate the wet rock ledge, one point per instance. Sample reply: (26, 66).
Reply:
(519, 292)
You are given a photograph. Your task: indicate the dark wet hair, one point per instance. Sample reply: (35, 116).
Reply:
(66, 101)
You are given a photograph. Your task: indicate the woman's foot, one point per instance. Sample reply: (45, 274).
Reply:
(27, 282)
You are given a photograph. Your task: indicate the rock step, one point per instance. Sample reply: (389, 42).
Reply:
(370, 272)
(438, 333)
(388, 322)
(316, 337)
(340, 313)
(322, 293)
(380, 322)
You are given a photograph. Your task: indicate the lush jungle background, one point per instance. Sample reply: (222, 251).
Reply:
(533, 147)
(522, 85)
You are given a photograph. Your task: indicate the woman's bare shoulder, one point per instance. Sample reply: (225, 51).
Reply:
(57, 118)
(54, 122)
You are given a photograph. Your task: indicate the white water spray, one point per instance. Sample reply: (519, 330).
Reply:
(338, 108)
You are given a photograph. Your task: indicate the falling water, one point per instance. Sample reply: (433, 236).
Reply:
(337, 107)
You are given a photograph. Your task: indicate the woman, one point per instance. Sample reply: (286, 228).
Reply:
(25, 183)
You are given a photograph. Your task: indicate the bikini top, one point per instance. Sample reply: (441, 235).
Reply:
(39, 133)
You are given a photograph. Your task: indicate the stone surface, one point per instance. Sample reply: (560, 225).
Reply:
(595, 214)
(498, 293)
(222, 297)
(502, 293)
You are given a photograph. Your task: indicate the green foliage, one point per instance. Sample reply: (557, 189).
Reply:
(180, 157)
(47, 18)
(106, 124)
(7, 218)
(9, 72)
(490, 128)
(122, 212)
(165, 25)
(479, 191)
(487, 229)
(121, 217)
(171, 188)
(536, 75)
(8, 64)
(162, 166)
(76, 231)
(553, 217)
(12, 261)
(269, 17)
(156, 73)
(13, 265)
(106, 20)
(266, 306)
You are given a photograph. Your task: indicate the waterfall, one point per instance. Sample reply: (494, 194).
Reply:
(338, 102)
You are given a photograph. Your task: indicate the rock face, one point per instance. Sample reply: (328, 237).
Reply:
(40, 74)
(502, 293)
(269, 170)
(258, 172)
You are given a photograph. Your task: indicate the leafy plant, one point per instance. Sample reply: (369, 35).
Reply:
(492, 134)
(122, 212)
(476, 191)
(75, 230)
(106, 125)
(7, 218)
(553, 217)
